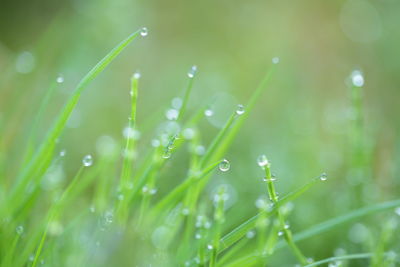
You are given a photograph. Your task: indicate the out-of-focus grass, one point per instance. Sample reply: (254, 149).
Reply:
(307, 123)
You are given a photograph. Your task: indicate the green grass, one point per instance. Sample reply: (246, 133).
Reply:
(111, 213)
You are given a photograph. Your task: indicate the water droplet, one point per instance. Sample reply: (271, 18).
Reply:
(262, 161)
(185, 211)
(250, 234)
(108, 217)
(310, 260)
(208, 112)
(31, 257)
(200, 150)
(120, 197)
(280, 233)
(286, 226)
(172, 114)
(136, 75)
(60, 79)
(144, 32)
(210, 247)
(275, 60)
(224, 165)
(240, 109)
(19, 229)
(188, 133)
(153, 191)
(131, 133)
(155, 143)
(25, 62)
(197, 236)
(261, 203)
(397, 211)
(62, 153)
(323, 177)
(207, 225)
(87, 160)
(357, 78)
(166, 154)
(192, 72)
(92, 209)
(176, 102)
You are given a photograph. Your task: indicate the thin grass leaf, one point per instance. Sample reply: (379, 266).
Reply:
(62, 119)
(240, 231)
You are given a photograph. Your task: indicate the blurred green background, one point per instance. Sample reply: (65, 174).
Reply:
(303, 123)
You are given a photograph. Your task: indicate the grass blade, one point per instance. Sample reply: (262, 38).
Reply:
(62, 119)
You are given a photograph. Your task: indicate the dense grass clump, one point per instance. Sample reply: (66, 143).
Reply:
(112, 212)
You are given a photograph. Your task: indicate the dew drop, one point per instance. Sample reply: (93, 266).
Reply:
(188, 133)
(192, 72)
(262, 161)
(185, 211)
(144, 32)
(19, 229)
(87, 160)
(280, 233)
(357, 78)
(176, 102)
(200, 150)
(31, 257)
(197, 236)
(155, 143)
(136, 75)
(208, 112)
(153, 191)
(120, 197)
(224, 165)
(172, 114)
(397, 211)
(166, 154)
(240, 109)
(210, 247)
(60, 79)
(92, 209)
(250, 234)
(62, 153)
(323, 177)
(275, 60)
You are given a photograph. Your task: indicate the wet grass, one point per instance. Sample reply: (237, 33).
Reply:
(111, 213)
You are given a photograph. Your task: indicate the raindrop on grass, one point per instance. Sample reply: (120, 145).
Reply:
(240, 109)
(166, 154)
(262, 161)
(208, 112)
(87, 160)
(19, 229)
(323, 177)
(357, 78)
(197, 236)
(192, 72)
(188, 133)
(60, 79)
(224, 165)
(250, 234)
(275, 60)
(144, 32)
(176, 102)
(136, 75)
(210, 247)
(397, 211)
(62, 153)
(155, 143)
(172, 114)
(200, 150)
(280, 233)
